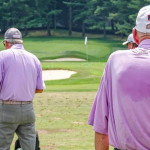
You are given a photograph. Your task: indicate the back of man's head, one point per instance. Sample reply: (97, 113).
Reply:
(143, 20)
(13, 36)
(142, 28)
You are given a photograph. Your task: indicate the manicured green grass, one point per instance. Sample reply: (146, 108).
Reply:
(54, 47)
(87, 77)
(88, 73)
(48, 48)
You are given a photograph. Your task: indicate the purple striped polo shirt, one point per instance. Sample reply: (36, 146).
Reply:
(20, 74)
(122, 105)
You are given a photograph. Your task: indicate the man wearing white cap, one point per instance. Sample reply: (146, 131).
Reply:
(130, 42)
(121, 111)
(20, 79)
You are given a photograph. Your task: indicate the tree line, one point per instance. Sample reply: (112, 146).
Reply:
(107, 16)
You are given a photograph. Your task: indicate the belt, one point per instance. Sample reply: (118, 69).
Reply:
(14, 102)
(116, 149)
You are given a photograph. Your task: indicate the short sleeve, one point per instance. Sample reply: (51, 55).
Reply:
(1, 68)
(40, 83)
(99, 114)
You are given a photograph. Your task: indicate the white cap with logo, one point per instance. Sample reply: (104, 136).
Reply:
(143, 20)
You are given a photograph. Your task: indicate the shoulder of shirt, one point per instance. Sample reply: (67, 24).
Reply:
(118, 53)
(32, 55)
(29, 53)
(5, 53)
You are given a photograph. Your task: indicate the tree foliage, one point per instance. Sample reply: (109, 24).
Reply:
(114, 16)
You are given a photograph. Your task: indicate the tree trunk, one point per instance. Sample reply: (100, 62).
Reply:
(112, 25)
(11, 14)
(122, 35)
(55, 19)
(26, 32)
(70, 21)
(48, 29)
(54, 22)
(83, 30)
(55, 16)
(104, 27)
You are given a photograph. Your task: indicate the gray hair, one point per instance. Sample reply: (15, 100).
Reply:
(14, 41)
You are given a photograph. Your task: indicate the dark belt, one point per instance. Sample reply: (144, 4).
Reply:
(116, 149)
(11, 102)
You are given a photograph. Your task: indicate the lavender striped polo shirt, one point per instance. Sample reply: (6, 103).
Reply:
(20, 74)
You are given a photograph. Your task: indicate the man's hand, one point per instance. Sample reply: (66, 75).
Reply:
(38, 90)
(101, 141)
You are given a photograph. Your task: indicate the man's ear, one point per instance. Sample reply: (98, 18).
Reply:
(135, 36)
(7, 45)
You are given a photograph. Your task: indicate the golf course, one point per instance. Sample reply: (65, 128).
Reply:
(63, 108)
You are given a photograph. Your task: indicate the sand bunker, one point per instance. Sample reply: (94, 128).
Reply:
(66, 59)
(56, 74)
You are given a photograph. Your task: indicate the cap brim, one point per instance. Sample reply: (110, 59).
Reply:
(124, 43)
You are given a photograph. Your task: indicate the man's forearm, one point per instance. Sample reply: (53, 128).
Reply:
(101, 141)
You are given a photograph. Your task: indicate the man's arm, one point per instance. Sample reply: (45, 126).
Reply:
(101, 141)
(38, 90)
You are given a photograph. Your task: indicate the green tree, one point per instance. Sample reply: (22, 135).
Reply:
(80, 15)
(70, 7)
(102, 12)
(46, 10)
(125, 14)
(14, 16)
(98, 17)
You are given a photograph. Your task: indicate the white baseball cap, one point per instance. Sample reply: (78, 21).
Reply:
(143, 20)
(130, 39)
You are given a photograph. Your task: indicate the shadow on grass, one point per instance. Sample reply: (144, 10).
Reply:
(77, 54)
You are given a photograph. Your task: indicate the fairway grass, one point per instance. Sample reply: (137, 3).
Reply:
(87, 77)
(96, 50)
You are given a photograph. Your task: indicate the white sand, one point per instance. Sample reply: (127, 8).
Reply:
(56, 74)
(66, 59)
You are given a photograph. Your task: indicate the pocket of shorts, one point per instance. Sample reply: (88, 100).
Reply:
(31, 116)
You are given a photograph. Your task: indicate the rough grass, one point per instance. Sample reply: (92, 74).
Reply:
(61, 120)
